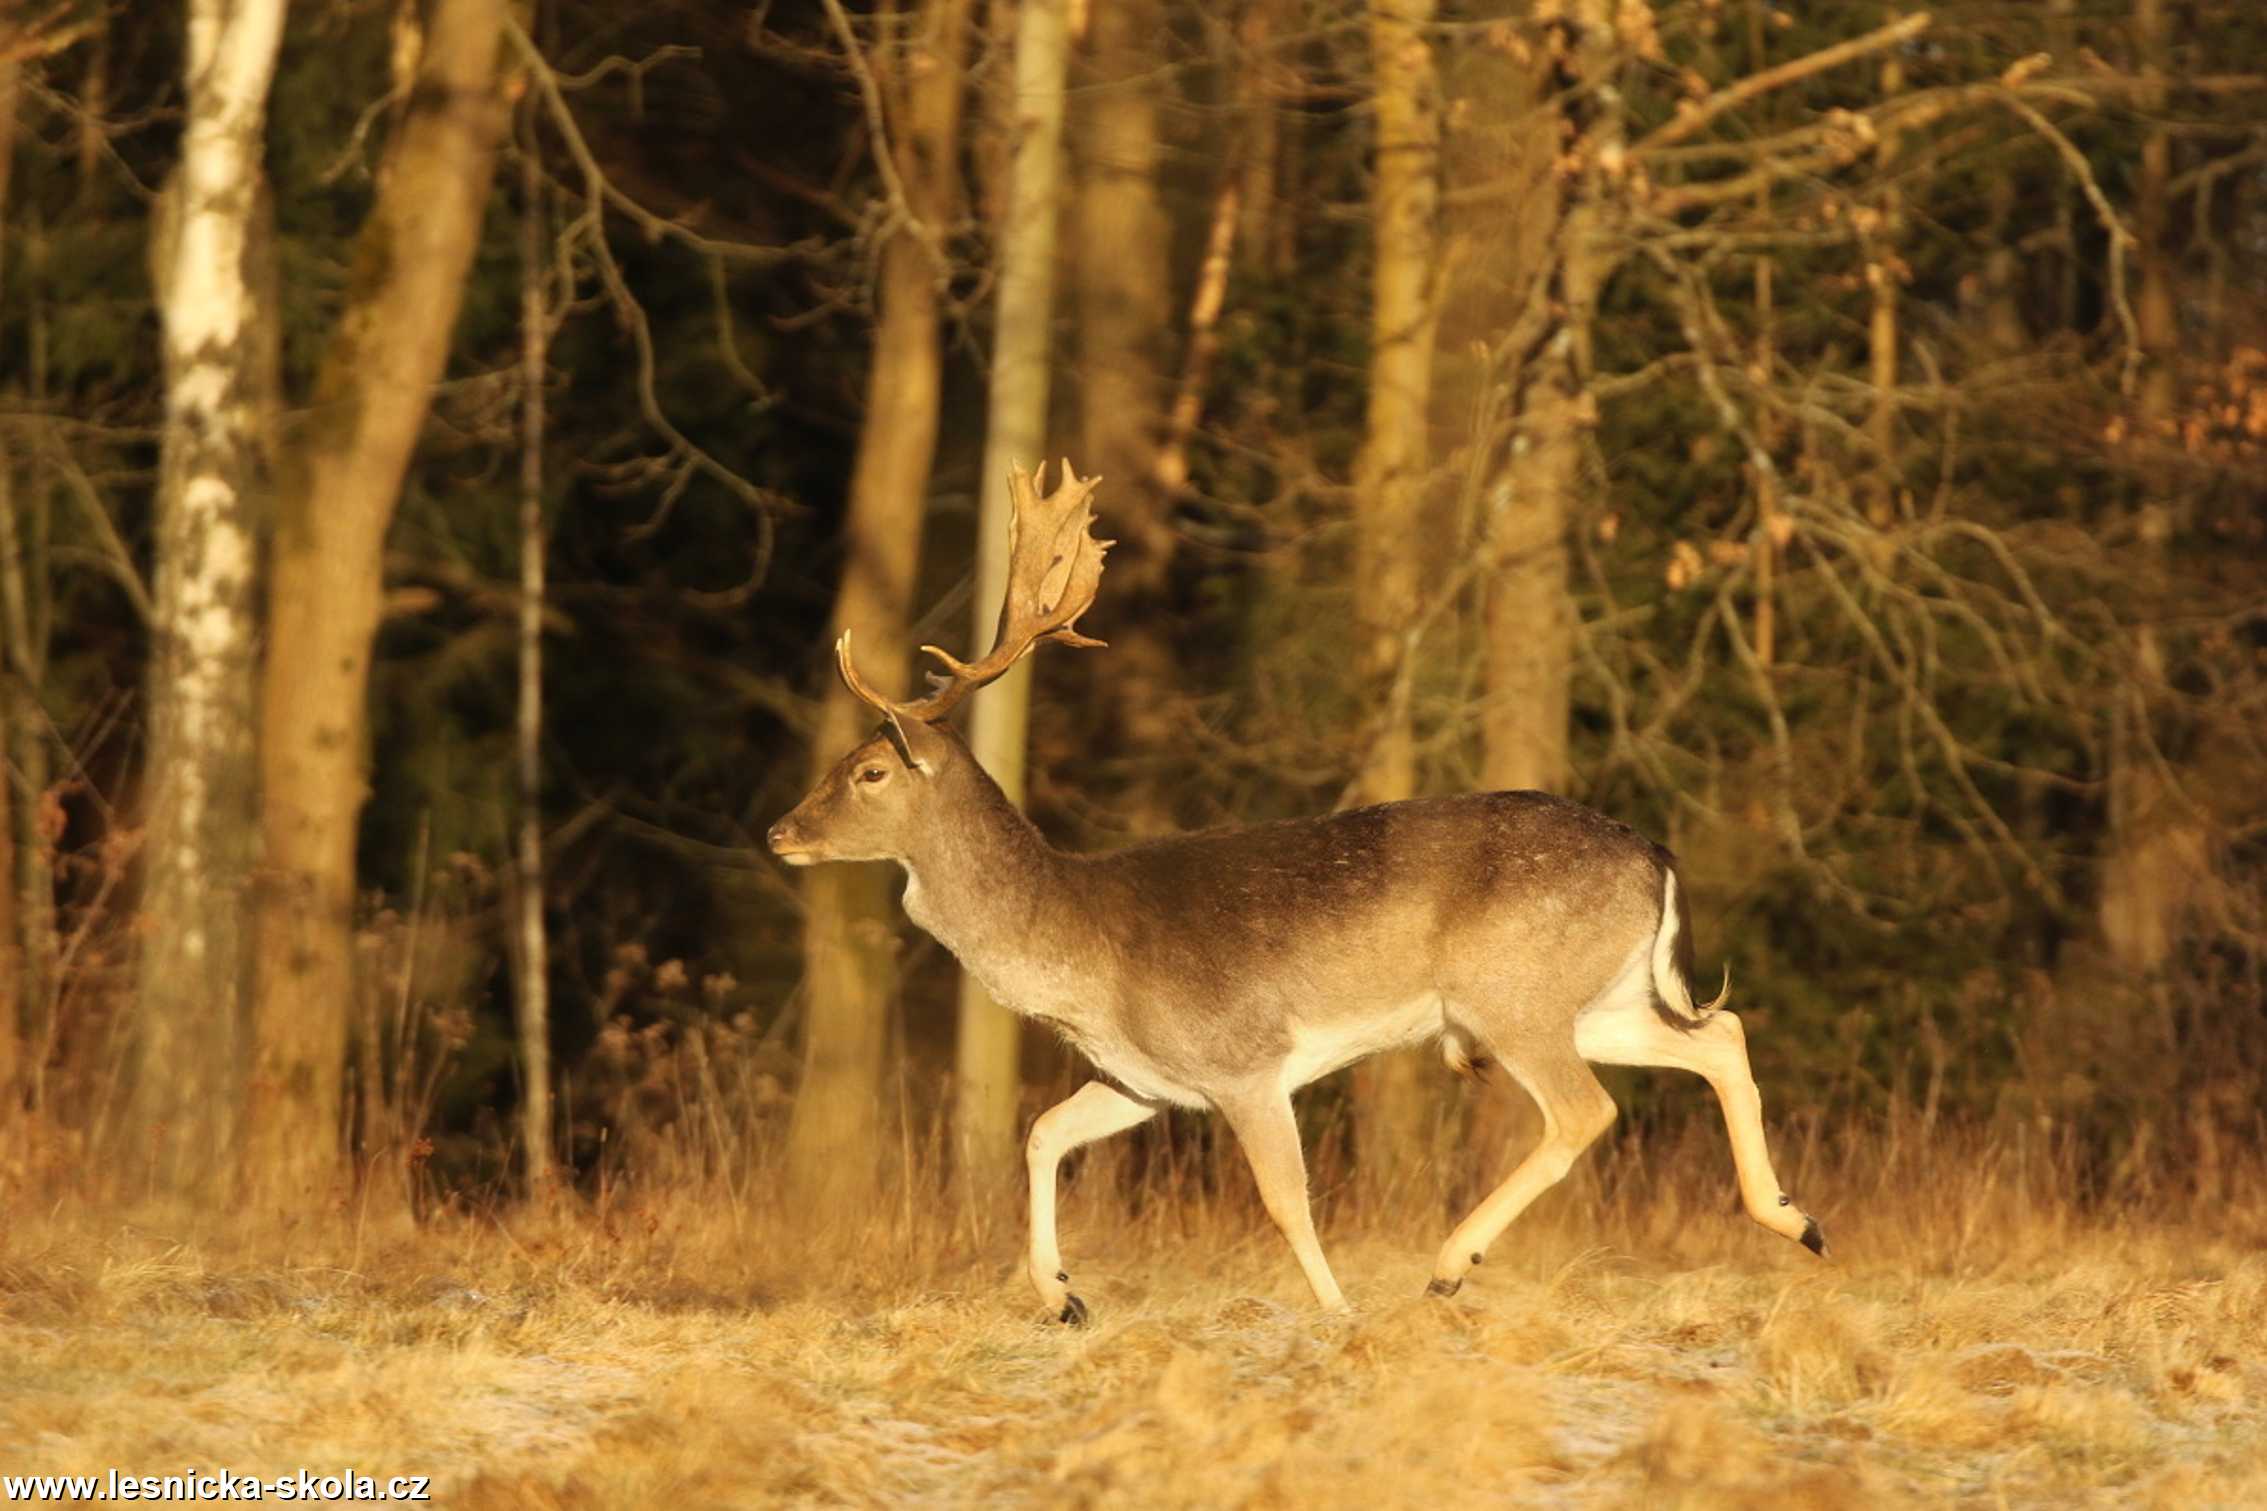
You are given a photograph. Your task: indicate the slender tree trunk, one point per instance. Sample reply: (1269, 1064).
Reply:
(1768, 527)
(1120, 274)
(1389, 479)
(12, 980)
(1205, 301)
(2062, 39)
(1528, 605)
(24, 623)
(12, 972)
(2004, 328)
(1880, 244)
(1261, 127)
(200, 782)
(850, 932)
(371, 396)
(28, 756)
(1389, 472)
(2156, 848)
(988, 1090)
(2155, 310)
(94, 106)
(11, 951)
(532, 999)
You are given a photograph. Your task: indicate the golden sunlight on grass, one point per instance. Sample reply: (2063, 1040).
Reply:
(1632, 1349)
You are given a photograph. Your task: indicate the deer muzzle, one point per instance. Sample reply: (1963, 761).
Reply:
(787, 842)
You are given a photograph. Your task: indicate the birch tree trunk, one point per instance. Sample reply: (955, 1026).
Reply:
(988, 1090)
(850, 930)
(372, 391)
(532, 994)
(1391, 1108)
(200, 783)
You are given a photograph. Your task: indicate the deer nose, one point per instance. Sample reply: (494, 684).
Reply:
(777, 836)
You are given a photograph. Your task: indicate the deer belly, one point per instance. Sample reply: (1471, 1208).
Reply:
(1317, 1049)
(1126, 1065)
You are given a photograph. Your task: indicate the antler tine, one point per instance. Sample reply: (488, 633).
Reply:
(1054, 571)
(857, 684)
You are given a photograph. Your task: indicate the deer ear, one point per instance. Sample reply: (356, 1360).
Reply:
(896, 733)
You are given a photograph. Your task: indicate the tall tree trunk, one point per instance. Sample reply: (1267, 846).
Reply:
(2157, 850)
(27, 946)
(988, 1089)
(1547, 267)
(1260, 126)
(1764, 542)
(1389, 479)
(2005, 333)
(1120, 273)
(850, 935)
(2155, 311)
(532, 994)
(1528, 607)
(13, 975)
(28, 755)
(371, 395)
(1882, 275)
(12, 955)
(200, 783)
(1389, 471)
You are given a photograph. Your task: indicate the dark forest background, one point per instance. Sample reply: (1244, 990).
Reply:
(1828, 437)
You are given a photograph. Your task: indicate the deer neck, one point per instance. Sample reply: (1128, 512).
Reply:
(990, 888)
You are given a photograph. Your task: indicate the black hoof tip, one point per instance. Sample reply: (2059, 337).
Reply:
(1444, 1287)
(1813, 1239)
(1074, 1313)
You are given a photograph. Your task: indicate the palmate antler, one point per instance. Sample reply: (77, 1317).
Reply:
(1054, 569)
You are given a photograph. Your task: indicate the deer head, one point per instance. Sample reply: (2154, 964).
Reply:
(869, 804)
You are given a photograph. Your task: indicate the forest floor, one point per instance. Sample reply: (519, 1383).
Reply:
(1962, 1345)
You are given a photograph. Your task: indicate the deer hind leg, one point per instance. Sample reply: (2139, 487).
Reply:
(1096, 1110)
(1269, 1131)
(1628, 1031)
(1575, 1111)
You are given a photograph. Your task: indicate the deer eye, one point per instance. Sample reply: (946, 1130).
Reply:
(873, 774)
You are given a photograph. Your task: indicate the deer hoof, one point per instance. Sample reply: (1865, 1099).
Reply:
(1444, 1287)
(1074, 1312)
(1813, 1239)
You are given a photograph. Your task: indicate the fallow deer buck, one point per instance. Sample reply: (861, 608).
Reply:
(1228, 969)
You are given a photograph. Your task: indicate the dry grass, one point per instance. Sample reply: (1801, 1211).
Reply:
(1970, 1342)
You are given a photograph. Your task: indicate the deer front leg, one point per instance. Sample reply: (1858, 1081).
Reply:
(1269, 1132)
(1096, 1110)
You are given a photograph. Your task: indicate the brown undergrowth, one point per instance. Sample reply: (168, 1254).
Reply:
(1976, 1337)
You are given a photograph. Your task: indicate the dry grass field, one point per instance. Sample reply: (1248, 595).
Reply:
(1974, 1339)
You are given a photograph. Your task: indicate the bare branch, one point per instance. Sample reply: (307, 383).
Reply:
(2120, 238)
(656, 226)
(885, 158)
(1693, 117)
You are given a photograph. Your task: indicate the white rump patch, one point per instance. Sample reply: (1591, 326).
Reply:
(1618, 1027)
